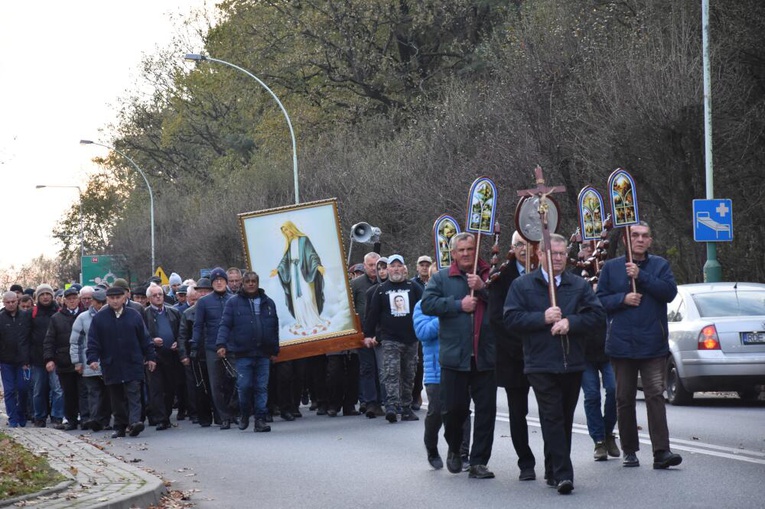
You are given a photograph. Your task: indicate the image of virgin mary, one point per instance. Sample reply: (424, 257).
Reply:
(301, 275)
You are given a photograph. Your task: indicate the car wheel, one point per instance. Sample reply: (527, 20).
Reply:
(676, 393)
(749, 395)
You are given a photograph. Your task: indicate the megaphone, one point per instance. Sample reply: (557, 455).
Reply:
(365, 232)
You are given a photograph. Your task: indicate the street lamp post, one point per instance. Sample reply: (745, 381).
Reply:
(197, 57)
(151, 193)
(82, 222)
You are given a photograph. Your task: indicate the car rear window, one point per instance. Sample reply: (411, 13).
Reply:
(730, 303)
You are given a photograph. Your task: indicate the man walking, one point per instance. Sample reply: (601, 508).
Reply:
(458, 296)
(637, 342)
(15, 328)
(249, 329)
(119, 344)
(553, 339)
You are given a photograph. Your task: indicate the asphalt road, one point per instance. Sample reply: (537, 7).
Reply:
(322, 462)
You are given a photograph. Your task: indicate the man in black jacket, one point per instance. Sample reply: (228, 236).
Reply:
(509, 365)
(46, 387)
(56, 356)
(14, 358)
(553, 352)
(163, 322)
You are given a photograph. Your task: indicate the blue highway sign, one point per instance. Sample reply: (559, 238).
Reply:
(713, 220)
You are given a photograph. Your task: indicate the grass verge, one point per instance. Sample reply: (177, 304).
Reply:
(21, 472)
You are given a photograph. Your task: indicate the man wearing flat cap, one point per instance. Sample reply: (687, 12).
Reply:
(119, 344)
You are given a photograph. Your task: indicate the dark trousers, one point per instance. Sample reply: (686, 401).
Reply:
(557, 395)
(70, 385)
(368, 377)
(457, 389)
(289, 390)
(126, 403)
(204, 406)
(343, 380)
(418, 376)
(99, 406)
(219, 386)
(652, 374)
(316, 379)
(190, 390)
(518, 409)
(163, 382)
(434, 420)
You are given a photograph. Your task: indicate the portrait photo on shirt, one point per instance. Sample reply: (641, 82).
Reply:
(399, 303)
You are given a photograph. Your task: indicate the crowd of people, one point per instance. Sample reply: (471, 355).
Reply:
(115, 358)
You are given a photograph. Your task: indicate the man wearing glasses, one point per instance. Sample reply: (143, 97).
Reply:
(553, 339)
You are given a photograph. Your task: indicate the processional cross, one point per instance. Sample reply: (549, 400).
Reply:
(541, 191)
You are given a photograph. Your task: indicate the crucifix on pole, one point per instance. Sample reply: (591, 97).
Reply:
(541, 191)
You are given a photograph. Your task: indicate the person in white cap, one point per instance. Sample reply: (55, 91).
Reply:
(423, 271)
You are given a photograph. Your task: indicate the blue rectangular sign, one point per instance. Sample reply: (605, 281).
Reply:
(713, 220)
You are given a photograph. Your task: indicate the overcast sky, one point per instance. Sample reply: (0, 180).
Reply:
(64, 67)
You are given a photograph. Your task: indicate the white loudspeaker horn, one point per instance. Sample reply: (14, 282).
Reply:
(365, 232)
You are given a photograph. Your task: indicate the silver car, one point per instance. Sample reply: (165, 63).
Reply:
(716, 340)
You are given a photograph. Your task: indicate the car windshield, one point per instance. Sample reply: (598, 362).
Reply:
(730, 303)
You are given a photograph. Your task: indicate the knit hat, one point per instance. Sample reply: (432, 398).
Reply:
(175, 279)
(43, 288)
(218, 272)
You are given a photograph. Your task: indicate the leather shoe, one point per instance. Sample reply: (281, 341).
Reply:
(70, 426)
(225, 424)
(371, 411)
(527, 474)
(287, 416)
(118, 433)
(390, 416)
(565, 487)
(630, 460)
(244, 422)
(454, 462)
(435, 460)
(332, 412)
(480, 472)
(163, 426)
(260, 426)
(96, 426)
(135, 429)
(666, 459)
(350, 411)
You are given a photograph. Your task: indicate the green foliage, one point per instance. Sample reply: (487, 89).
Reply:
(23, 472)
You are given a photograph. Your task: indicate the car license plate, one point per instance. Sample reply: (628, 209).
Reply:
(753, 338)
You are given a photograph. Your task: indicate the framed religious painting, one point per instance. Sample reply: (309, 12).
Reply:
(297, 252)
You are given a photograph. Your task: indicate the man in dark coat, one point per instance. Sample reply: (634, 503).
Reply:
(56, 356)
(119, 344)
(15, 327)
(163, 322)
(47, 396)
(249, 329)
(509, 367)
(553, 350)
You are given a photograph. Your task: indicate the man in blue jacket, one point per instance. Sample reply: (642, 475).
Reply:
(119, 344)
(249, 329)
(553, 350)
(637, 342)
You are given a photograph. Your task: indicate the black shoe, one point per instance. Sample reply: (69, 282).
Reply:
(225, 424)
(565, 487)
(85, 425)
(119, 433)
(39, 424)
(260, 426)
(350, 411)
(96, 426)
(244, 422)
(362, 408)
(331, 412)
(630, 460)
(70, 426)
(551, 482)
(409, 415)
(135, 429)
(321, 410)
(287, 416)
(163, 426)
(480, 472)
(435, 460)
(205, 424)
(527, 474)
(390, 416)
(180, 416)
(666, 459)
(371, 411)
(314, 406)
(454, 462)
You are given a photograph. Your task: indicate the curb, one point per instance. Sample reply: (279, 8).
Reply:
(96, 478)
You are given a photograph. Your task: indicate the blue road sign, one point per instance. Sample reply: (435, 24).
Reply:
(713, 220)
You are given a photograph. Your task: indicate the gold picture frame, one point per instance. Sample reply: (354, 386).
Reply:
(297, 252)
